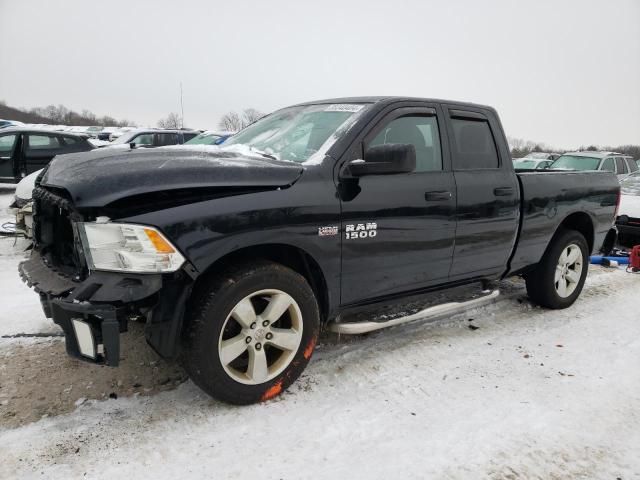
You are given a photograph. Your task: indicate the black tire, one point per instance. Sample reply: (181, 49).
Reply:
(541, 282)
(211, 306)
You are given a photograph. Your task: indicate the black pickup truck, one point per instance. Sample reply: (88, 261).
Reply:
(236, 256)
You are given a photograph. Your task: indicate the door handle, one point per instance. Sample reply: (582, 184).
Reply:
(436, 196)
(503, 191)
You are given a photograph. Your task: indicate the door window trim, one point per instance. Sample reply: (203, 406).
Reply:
(407, 111)
(454, 113)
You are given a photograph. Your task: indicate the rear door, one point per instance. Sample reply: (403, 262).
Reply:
(398, 230)
(39, 149)
(8, 145)
(487, 191)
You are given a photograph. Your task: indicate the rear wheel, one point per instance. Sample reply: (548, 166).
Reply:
(559, 278)
(251, 332)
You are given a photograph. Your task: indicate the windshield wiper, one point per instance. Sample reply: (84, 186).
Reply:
(264, 154)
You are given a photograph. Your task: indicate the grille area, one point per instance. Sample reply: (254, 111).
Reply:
(54, 234)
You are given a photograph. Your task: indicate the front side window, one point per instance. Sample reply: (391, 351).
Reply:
(473, 145)
(608, 165)
(296, 133)
(419, 131)
(7, 143)
(143, 139)
(43, 142)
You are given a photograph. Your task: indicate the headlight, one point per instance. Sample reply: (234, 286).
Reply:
(124, 247)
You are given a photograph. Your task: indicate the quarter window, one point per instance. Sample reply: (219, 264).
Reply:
(473, 145)
(621, 166)
(419, 131)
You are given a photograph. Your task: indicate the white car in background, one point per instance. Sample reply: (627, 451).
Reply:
(628, 220)
(118, 132)
(618, 163)
(531, 163)
(24, 205)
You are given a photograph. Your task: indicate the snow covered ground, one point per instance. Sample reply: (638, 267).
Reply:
(529, 393)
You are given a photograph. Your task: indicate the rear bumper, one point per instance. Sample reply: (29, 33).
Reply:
(93, 312)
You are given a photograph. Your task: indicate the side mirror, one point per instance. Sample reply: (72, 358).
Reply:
(385, 159)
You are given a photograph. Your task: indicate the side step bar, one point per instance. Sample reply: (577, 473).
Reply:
(356, 328)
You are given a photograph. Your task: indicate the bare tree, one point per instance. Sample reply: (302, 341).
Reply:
(172, 120)
(233, 122)
(250, 115)
(230, 122)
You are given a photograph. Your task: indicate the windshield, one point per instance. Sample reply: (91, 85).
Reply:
(576, 162)
(630, 185)
(297, 133)
(203, 139)
(125, 137)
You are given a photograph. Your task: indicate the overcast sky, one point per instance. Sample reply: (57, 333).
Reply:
(563, 72)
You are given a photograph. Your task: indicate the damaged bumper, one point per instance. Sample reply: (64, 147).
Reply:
(93, 312)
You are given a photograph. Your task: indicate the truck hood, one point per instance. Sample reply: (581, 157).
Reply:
(100, 177)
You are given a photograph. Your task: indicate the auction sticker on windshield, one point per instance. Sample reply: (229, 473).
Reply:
(343, 107)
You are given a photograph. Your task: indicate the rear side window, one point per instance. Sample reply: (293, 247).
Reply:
(473, 145)
(621, 166)
(608, 165)
(70, 140)
(43, 142)
(167, 138)
(633, 166)
(419, 131)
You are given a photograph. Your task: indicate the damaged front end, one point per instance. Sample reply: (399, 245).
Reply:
(94, 305)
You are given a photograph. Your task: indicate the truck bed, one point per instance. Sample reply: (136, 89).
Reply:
(549, 197)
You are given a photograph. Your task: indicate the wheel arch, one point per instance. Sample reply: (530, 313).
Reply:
(293, 257)
(580, 222)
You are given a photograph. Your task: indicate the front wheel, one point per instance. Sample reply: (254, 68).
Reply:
(251, 332)
(558, 279)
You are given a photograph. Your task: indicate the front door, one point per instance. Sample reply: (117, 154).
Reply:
(488, 194)
(8, 144)
(398, 230)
